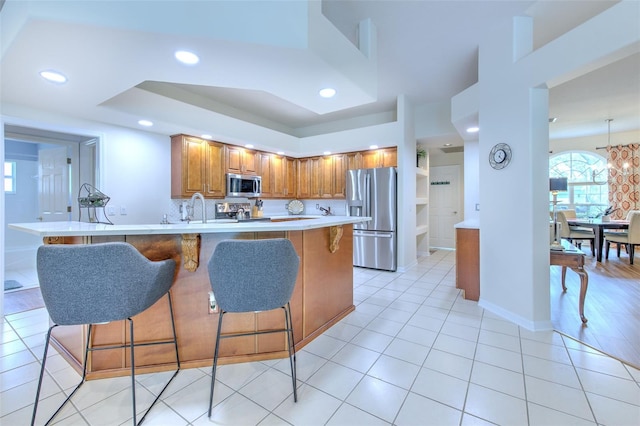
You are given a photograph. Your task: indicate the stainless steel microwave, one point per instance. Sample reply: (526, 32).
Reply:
(243, 185)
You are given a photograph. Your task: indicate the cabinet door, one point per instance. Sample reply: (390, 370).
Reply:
(327, 177)
(370, 159)
(214, 170)
(304, 178)
(316, 166)
(187, 166)
(250, 161)
(339, 166)
(386, 157)
(241, 161)
(277, 176)
(290, 175)
(390, 157)
(233, 159)
(266, 172)
(354, 160)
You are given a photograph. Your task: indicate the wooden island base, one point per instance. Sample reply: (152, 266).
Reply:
(323, 296)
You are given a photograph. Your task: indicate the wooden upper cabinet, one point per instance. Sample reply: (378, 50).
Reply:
(214, 171)
(199, 165)
(322, 177)
(354, 160)
(386, 157)
(304, 178)
(241, 160)
(290, 176)
(339, 165)
(278, 175)
(196, 166)
(265, 171)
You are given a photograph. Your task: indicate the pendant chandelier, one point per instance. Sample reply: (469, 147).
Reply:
(611, 171)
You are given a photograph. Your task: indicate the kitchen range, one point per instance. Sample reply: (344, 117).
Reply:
(372, 192)
(240, 211)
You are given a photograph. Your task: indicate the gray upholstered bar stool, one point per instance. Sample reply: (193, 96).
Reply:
(254, 276)
(98, 283)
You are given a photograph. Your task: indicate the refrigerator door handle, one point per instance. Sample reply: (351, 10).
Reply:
(370, 234)
(367, 195)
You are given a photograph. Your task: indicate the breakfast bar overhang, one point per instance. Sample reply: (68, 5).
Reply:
(323, 294)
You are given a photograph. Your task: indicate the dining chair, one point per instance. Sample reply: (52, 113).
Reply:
(254, 276)
(574, 234)
(88, 284)
(629, 237)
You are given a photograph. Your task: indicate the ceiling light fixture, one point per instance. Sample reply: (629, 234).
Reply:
(53, 76)
(145, 123)
(186, 57)
(447, 144)
(327, 92)
(473, 129)
(552, 119)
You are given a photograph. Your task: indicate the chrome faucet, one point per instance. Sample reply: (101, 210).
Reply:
(326, 212)
(193, 204)
(240, 214)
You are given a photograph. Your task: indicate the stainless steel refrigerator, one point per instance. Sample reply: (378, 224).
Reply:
(372, 192)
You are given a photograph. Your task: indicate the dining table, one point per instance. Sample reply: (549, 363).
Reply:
(598, 225)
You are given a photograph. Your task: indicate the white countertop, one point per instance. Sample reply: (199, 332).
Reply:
(71, 229)
(468, 224)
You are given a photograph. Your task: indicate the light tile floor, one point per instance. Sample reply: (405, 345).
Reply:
(413, 353)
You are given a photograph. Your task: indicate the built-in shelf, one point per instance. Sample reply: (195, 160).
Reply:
(422, 207)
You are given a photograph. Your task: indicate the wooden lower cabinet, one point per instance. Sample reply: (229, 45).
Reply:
(468, 262)
(322, 296)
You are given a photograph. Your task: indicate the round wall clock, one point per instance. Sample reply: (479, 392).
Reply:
(500, 156)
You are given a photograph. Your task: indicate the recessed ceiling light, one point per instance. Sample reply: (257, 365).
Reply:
(53, 76)
(327, 92)
(447, 144)
(552, 119)
(327, 153)
(473, 129)
(248, 145)
(145, 123)
(205, 136)
(373, 146)
(187, 58)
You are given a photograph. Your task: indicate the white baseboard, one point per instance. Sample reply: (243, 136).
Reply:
(517, 319)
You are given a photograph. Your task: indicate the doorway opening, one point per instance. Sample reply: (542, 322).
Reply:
(48, 168)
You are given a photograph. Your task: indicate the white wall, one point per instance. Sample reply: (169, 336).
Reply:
(513, 108)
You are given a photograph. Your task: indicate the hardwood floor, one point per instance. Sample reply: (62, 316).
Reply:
(612, 306)
(22, 300)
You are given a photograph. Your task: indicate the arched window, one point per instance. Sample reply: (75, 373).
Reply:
(588, 192)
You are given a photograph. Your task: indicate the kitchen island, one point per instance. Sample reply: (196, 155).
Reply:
(323, 294)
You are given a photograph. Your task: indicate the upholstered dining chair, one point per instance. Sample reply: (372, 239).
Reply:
(87, 284)
(254, 276)
(576, 235)
(629, 237)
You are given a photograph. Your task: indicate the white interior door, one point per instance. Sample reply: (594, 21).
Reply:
(446, 205)
(53, 189)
